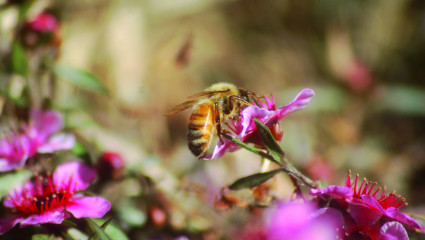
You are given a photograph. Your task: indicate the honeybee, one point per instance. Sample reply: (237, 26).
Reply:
(217, 104)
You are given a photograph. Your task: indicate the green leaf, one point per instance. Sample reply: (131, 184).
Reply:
(249, 148)
(19, 60)
(69, 223)
(41, 237)
(402, 100)
(11, 180)
(270, 142)
(80, 78)
(253, 180)
(105, 224)
(98, 232)
(79, 149)
(76, 234)
(111, 229)
(131, 215)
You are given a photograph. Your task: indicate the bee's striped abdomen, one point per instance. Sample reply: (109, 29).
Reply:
(200, 129)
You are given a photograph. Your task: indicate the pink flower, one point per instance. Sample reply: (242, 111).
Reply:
(245, 130)
(37, 137)
(51, 199)
(367, 207)
(44, 22)
(302, 221)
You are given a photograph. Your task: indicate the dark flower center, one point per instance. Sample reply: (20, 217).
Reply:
(42, 195)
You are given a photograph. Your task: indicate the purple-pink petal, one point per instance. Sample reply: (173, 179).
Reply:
(46, 122)
(221, 148)
(7, 223)
(57, 142)
(94, 207)
(54, 216)
(395, 214)
(363, 214)
(333, 190)
(372, 202)
(79, 173)
(299, 102)
(248, 115)
(7, 165)
(393, 231)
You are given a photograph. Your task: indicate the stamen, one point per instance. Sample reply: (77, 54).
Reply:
(355, 183)
(371, 188)
(348, 180)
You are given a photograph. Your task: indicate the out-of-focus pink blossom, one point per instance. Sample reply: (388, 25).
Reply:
(320, 169)
(358, 76)
(245, 130)
(39, 136)
(368, 207)
(302, 221)
(44, 22)
(51, 199)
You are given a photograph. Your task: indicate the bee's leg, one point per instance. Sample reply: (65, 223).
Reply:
(217, 122)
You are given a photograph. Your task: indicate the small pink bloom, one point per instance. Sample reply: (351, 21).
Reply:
(245, 130)
(367, 206)
(37, 137)
(44, 22)
(51, 199)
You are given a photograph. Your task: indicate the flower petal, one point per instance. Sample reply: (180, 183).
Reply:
(393, 231)
(333, 190)
(7, 223)
(94, 207)
(364, 215)
(248, 115)
(220, 149)
(57, 142)
(7, 165)
(299, 102)
(55, 216)
(46, 122)
(395, 214)
(81, 174)
(371, 201)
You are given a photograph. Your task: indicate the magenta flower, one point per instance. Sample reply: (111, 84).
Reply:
(302, 221)
(245, 130)
(37, 137)
(51, 199)
(367, 207)
(44, 22)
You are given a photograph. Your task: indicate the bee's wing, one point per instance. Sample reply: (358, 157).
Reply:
(181, 107)
(193, 99)
(206, 94)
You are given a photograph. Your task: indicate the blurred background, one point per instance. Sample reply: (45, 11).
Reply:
(364, 59)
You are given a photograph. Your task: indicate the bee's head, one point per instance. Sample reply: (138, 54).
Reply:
(245, 95)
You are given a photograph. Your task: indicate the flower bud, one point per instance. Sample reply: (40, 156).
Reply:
(277, 131)
(43, 30)
(110, 166)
